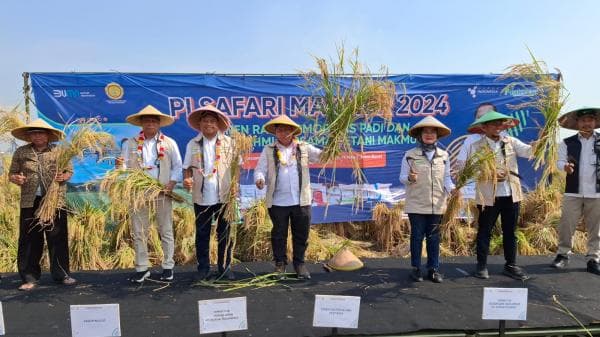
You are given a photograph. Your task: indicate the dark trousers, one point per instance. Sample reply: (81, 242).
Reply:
(509, 213)
(281, 217)
(425, 226)
(205, 215)
(31, 245)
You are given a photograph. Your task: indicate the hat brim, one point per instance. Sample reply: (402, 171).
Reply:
(272, 128)
(569, 120)
(195, 116)
(508, 124)
(22, 133)
(441, 132)
(136, 119)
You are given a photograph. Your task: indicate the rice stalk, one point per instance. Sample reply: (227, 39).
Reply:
(386, 225)
(345, 98)
(86, 237)
(550, 98)
(254, 235)
(9, 219)
(85, 139)
(184, 225)
(523, 245)
(124, 257)
(241, 147)
(255, 282)
(10, 120)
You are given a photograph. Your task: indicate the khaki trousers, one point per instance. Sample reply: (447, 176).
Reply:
(573, 208)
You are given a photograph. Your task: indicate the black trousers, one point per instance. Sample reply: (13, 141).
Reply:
(31, 245)
(205, 215)
(509, 213)
(281, 217)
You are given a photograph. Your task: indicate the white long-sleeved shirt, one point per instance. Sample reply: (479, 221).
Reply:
(287, 191)
(466, 145)
(405, 170)
(521, 150)
(150, 154)
(210, 192)
(586, 165)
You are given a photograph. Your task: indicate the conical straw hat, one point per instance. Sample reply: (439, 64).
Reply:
(271, 125)
(54, 134)
(569, 120)
(344, 260)
(429, 121)
(149, 110)
(490, 116)
(195, 116)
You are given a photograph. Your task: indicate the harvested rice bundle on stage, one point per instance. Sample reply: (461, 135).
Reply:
(387, 225)
(9, 219)
(87, 241)
(87, 138)
(551, 96)
(133, 190)
(241, 146)
(346, 99)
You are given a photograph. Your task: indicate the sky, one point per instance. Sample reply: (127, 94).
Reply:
(275, 37)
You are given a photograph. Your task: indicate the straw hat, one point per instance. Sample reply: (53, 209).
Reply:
(429, 121)
(271, 125)
(22, 132)
(569, 120)
(149, 110)
(195, 116)
(490, 116)
(344, 260)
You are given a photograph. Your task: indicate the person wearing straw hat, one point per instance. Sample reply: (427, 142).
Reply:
(425, 172)
(284, 167)
(207, 175)
(502, 197)
(158, 155)
(579, 157)
(33, 168)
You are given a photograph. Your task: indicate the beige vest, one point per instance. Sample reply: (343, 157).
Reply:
(427, 195)
(164, 172)
(223, 168)
(305, 191)
(484, 192)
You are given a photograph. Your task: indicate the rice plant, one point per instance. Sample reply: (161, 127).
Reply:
(87, 239)
(10, 120)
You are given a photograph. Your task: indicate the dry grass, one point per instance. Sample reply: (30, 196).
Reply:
(388, 226)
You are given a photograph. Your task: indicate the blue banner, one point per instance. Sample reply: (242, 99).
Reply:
(250, 101)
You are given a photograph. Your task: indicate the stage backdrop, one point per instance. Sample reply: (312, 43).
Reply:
(250, 101)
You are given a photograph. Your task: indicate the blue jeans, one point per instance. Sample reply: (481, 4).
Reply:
(425, 226)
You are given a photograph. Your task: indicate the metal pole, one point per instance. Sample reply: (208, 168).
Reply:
(502, 328)
(26, 94)
(334, 331)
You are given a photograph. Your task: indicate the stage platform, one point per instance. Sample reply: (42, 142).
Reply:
(391, 304)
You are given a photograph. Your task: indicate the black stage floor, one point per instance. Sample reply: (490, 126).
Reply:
(390, 302)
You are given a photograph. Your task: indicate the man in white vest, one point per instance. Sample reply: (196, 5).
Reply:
(579, 157)
(207, 174)
(159, 157)
(502, 197)
(284, 167)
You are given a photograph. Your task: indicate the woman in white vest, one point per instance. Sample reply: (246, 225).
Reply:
(425, 172)
(283, 167)
(503, 197)
(158, 155)
(207, 174)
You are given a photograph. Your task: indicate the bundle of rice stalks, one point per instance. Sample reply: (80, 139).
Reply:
(184, 226)
(86, 237)
(388, 225)
(551, 96)
(543, 238)
(124, 258)
(85, 139)
(544, 203)
(10, 120)
(241, 146)
(524, 246)
(580, 240)
(347, 98)
(255, 282)
(132, 190)
(9, 219)
(253, 239)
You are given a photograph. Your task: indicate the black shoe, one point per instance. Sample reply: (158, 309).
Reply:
(279, 267)
(167, 275)
(140, 276)
(302, 272)
(593, 267)
(516, 272)
(202, 274)
(560, 262)
(416, 275)
(435, 276)
(482, 273)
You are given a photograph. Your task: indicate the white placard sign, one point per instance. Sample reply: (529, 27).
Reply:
(333, 311)
(95, 320)
(505, 304)
(221, 315)
(2, 332)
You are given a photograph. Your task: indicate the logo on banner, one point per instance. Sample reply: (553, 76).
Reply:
(476, 90)
(114, 91)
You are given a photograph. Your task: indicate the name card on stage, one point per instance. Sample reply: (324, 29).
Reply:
(2, 332)
(333, 311)
(505, 304)
(95, 320)
(221, 315)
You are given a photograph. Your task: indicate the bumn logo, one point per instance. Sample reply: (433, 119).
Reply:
(64, 93)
